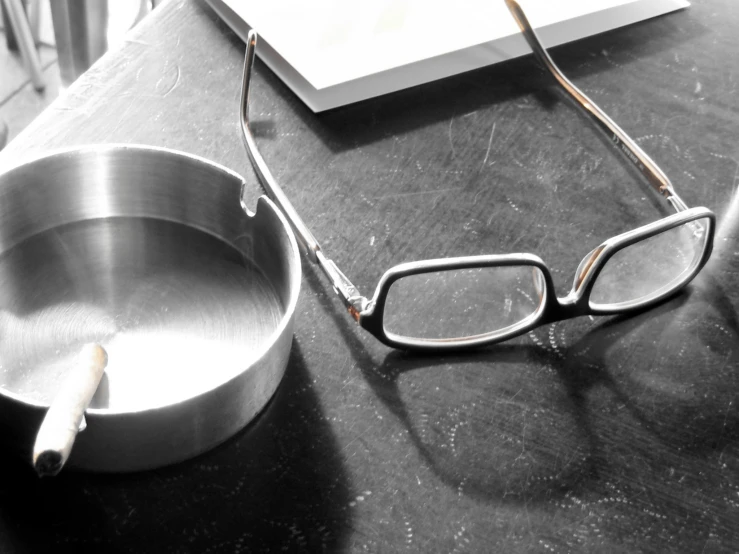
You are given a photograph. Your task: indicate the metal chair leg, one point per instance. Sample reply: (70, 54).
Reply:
(26, 43)
(33, 9)
(3, 134)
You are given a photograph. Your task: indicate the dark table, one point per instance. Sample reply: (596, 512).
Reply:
(608, 434)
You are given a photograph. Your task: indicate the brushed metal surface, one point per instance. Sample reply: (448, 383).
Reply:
(149, 253)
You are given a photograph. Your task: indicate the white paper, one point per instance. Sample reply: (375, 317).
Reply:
(358, 49)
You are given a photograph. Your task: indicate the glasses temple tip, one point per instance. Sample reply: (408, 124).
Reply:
(251, 48)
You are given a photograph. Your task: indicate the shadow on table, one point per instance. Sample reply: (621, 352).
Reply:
(278, 484)
(522, 423)
(365, 122)
(674, 369)
(493, 423)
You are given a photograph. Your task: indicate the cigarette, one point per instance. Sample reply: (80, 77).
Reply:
(59, 429)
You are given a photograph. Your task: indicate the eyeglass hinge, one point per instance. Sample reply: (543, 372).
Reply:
(355, 303)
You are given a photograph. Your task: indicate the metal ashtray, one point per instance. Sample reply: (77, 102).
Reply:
(152, 255)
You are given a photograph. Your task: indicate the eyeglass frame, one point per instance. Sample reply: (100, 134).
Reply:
(369, 314)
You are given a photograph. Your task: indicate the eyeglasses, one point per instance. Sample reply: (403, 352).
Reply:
(470, 301)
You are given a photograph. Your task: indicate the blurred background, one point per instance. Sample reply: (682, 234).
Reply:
(68, 37)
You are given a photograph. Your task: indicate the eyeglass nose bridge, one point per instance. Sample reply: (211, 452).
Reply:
(577, 302)
(559, 309)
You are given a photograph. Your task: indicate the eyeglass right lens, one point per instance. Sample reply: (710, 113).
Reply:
(650, 267)
(463, 303)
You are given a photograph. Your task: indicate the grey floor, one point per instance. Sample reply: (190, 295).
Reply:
(20, 103)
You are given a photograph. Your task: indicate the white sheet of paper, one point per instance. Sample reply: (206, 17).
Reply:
(332, 52)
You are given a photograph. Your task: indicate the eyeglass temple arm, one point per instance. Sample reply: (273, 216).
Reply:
(620, 139)
(349, 294)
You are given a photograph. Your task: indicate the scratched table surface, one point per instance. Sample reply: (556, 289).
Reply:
(599, 434)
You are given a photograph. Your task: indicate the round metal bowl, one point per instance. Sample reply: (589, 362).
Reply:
(152, 254)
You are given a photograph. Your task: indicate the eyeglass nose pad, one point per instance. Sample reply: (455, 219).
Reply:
(584, 267)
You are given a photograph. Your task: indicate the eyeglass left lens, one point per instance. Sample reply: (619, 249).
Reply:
(463, 303)
(651, 267)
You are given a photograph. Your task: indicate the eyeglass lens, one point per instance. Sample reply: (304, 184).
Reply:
(463, 302)
(459, 303)
(650, 267)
